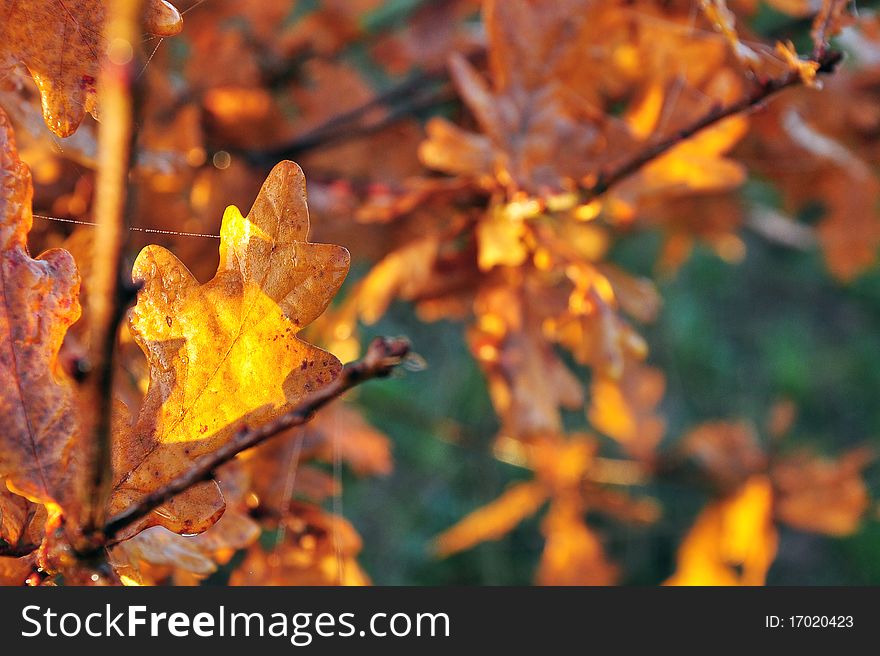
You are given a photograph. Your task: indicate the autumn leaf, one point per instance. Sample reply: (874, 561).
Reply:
(573, 553)
(61, 43)
(22, 523)
(822, 495)
(733, 540)
(14, 571)
(626, 408)
(728, 453)
(225, 353)
(316, 549)
(155, 553)
(494, 520)
(39, 303)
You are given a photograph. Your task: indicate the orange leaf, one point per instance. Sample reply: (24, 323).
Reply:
(62, 44)
(732, 542)
(494, 520)
(225, 353)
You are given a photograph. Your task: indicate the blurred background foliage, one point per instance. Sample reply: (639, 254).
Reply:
(740, 333)
(732, 338)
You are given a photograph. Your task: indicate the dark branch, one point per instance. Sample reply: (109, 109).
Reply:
(382, 356)
(412, 96)
(828, 63)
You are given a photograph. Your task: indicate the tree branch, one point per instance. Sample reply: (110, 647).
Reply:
(828, 63)
(417, 93)
(382, 356)
(108, 296)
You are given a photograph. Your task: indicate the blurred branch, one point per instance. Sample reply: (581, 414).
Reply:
(416, 92)
(382, 356)
(108, 295)
(782, 230)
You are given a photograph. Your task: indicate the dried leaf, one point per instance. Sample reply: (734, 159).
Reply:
(494, 520)
(225, 353)
(39, 303)
(62, 44)
(317, 549)
(728, 453)
(822, 495)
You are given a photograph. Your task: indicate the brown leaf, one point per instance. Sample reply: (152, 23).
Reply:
(729, 453)
(821, 495)
(61, 42)
(39, 303)
(22, 524)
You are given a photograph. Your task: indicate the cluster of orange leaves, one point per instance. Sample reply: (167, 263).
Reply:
(497, 219)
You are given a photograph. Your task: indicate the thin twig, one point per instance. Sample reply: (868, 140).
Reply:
(382, 356)
(108, 297)
(606, 180)
(416, 92)
(827, 17)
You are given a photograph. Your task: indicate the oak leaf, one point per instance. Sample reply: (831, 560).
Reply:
(61, 42)
(38, 302)
(22, 523)
(225, 352)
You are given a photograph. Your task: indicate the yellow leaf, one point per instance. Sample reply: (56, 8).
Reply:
(225, 353)
(573, 554)
(732, 542)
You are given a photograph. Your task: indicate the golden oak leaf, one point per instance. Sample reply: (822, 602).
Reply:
(833, 160)
(820, 495)
(537, 131)
(401, 274)
(155, 554)
(38, 302)
(13, 515)
(494, 520)
(225, 353)
(195, 554)
(732, 542)
(61, 42)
